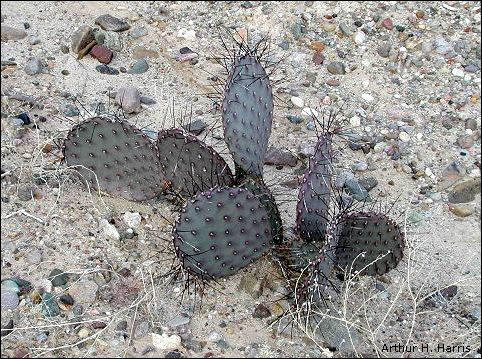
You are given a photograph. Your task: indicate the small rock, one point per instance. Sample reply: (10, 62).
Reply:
(367, 97)
(33, 66)
(165, 342)
(9, 299)
(355, 121)
(65, 72)
(387, 23)
(7, 329)
(261, 311)
(297, 101)
(442, 47)
(251, 284)
(138, 32)
(64, 49)
(67, 299)
(306, 150)
(280, 157)
(141, 329)
(465, 192)
(50, 308)
(356, 189)
(214, 336)
(294, 119)
(359, 37)
(24, 118)
(139, 67)
(462, 210)
(84, 292)
(147, 100)
(368, 183)
(187, 34)
(404, 137)
(129, 99)
(34, 41)
(101, 53)
(57, 277)
(359, 166)
(196, 127)
(83, 333)
(34, 256)
(70, 110)
(107, 70)
(132, 219)
(111, 23)
(458, 72)
(108, 230)
(336, 68)
(465, 141)
(81, 38)
(285, 45)
(178, 321)
(471, 68)
(9, 33)
(10, 285)
(384, 49)
(345, 29)
(471, 123)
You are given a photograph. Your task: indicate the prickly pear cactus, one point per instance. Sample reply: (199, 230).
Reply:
(117, 155)
(189, 164)
(260, 190)
(372, 235)
(315, 193)
(220, 231)
(247, 113)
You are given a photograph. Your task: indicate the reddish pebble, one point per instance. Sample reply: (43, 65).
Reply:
(101, 53)
(387, 24)
(318, 58)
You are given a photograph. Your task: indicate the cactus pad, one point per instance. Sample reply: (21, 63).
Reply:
(220, 231)
(314, 195)
(189, 164)
(122, 158)
(373, 234)
(247, 113)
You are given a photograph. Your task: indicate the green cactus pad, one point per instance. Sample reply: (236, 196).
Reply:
(247, 113)
(122, 158)
(189, 164)
(372, 235)
(220, 231)
(315, 192)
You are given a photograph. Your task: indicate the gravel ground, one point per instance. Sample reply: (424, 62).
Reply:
(406, 76)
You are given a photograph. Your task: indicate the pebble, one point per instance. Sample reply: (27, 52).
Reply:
(57, 277)
(102, 54)
(471, 123)
(336, 68)
(139, 67)
(442, 47)
(355, 189)
(141, 329)
(50, 308)
(309, 113)
(345, 29)
(462, 210)
(465, 191)
(132, 219)
(108, 231)
(66, 299)
(33, 66)
(83, 333)
(367, 97)
(280, 157)
(34, 41)
(64, 49)
(9, 300)
(297, 101)
(138, 32)
(471, 68)
(404, 137)
(355, 121)
(9, 33)
(81, 38)
(34, 256)
(251, 284)
(285, 45)
(110, 23)
(196, 127)
(70, 110)
(465, 141)
(187, 34)
(178, 321)
(261, 312)
(111, 40)
(359, 37)
(106, 70)
(384, 49)
(84, 292)
(458, 72)
(6, 330)
(387, 23)
(10, 285)
(166, 342)
(310, 126)
(214, 336)
(329, 26)
(360, 166)
(147, 100)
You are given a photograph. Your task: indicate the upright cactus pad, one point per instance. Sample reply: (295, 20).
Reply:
(260, 190)
(220, 231)
(189, 164)
(312, 210)
(372, 235)
(247, 113)
(122, 158)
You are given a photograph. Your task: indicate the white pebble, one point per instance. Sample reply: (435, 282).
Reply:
(309, 112)
(429, 173)
(458, 72)
(165, 342)
(297, 101)
(108, 230)
(404, 137)
(187, 34)
(132, 219)
(359, 37)
(419, 136)
(367, 97)
(355, 121)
